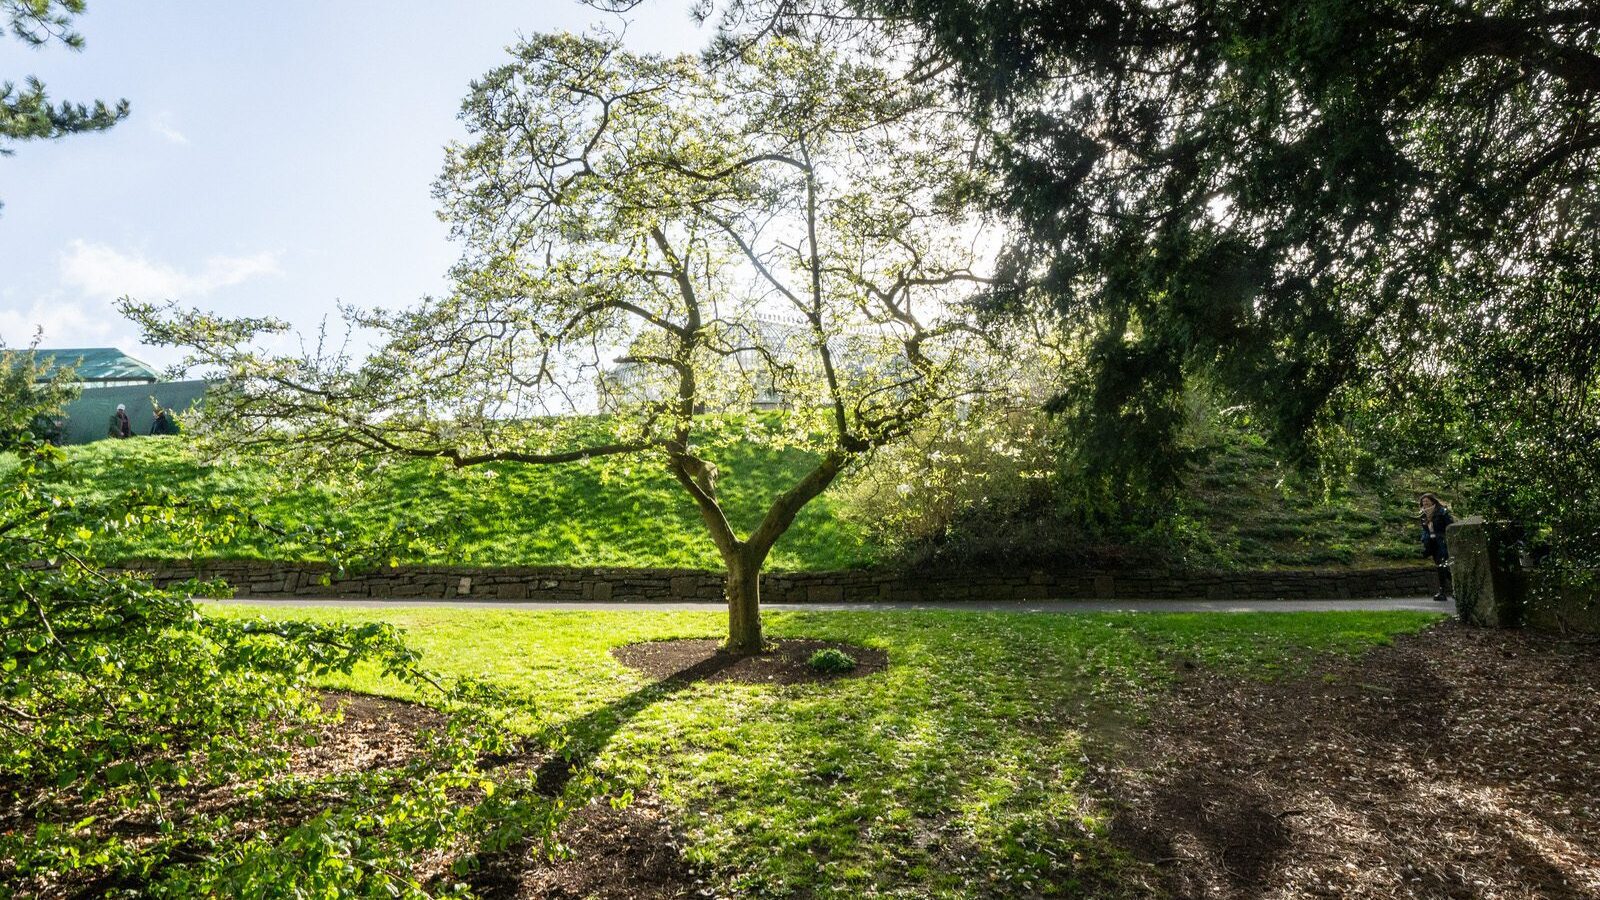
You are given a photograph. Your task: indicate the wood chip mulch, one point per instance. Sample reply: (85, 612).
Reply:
(785, 662)
(633, 853)
(1457, 762)
(376, 733)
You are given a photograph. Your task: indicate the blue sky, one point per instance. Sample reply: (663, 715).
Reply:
(278, 159)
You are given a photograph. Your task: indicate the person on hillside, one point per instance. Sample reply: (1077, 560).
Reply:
(120, 425)
(1435, 517)
(164, 423)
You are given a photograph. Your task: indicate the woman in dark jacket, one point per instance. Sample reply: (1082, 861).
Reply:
(1435, 518)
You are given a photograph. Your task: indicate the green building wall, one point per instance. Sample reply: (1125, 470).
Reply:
(88, 416)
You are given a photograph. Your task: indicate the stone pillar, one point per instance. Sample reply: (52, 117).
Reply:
(1488, 585)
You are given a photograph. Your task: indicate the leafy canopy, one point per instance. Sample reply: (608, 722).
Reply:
(1288, 197)
(1373, 222)
(653, 240)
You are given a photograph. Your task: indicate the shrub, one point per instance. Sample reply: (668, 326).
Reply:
(831, 661)
(121, 706)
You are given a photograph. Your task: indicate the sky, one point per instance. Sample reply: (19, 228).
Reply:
(278, 159)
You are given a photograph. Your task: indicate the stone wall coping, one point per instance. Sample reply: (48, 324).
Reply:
(1021, 572)
(262, 578)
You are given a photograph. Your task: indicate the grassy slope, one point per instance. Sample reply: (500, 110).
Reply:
(1252, 514)
(502, 515)
(1241, 510)
(956, 773)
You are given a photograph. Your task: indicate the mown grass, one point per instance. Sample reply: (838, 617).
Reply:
(955, 773)
(618, 514)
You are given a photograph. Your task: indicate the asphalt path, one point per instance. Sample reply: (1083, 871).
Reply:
(1387, 604)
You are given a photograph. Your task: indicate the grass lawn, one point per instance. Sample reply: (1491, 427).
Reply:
(620, 512)
(958, 772)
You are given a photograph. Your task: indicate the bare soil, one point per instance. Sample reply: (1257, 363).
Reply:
(784, 662)
(1458, 762)
(377, 733)
(631, 853)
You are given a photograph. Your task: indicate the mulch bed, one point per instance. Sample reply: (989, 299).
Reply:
(1456, 763)
(376, 733)
(629, 854)
(784, 662)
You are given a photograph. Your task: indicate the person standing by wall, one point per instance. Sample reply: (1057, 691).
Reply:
(1435, 518)
(120, 425)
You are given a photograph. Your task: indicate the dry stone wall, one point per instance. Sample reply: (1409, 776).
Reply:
(267, 579)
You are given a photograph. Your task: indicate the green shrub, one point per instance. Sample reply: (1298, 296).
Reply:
(999, 490)
(831, 660)
(119, 702)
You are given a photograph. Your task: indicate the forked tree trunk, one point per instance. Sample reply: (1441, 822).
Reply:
(744, 559)
(744, 604)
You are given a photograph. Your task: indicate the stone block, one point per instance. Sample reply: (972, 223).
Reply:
(825, 593)
(1488, 587)
(600, 592)
(512, 591)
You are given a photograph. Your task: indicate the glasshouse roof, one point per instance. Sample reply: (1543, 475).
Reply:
(97, 363)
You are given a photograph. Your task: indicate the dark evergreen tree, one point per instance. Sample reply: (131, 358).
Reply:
(26, 113)
(1345, 212)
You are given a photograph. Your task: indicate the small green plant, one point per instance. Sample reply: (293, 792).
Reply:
(831, 660)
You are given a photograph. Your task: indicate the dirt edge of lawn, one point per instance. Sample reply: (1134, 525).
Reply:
(1455, 762)
(629, 852)
(632, 852)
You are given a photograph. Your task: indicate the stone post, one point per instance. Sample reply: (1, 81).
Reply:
(1488, 585)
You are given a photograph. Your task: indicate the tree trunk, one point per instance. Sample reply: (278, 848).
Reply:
(744, 604)
(745, 558)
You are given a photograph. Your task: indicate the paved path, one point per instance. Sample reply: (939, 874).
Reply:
(1013, 606)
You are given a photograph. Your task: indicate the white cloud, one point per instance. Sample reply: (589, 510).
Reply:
(60, 323)
(162, 125)
(101, 271)
(65, 323)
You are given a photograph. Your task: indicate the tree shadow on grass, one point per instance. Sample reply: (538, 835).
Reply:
(629, 851)
(579, 742)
